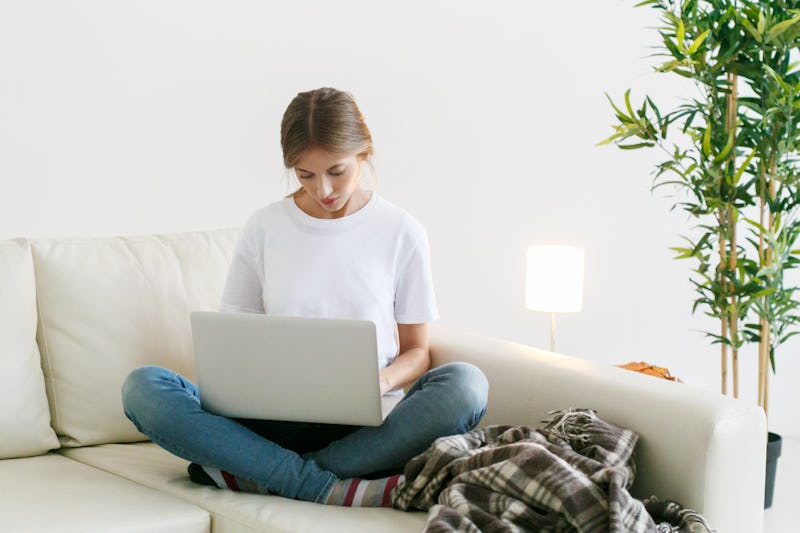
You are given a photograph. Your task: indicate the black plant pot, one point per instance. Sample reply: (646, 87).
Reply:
(774, 442)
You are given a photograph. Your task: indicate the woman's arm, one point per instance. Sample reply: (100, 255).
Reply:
(413, 361)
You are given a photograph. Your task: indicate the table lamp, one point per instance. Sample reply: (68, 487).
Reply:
(554, 282)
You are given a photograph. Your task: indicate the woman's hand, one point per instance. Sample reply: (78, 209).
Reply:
(413, 360)
(385, 385)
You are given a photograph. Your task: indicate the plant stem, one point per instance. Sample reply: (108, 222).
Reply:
(767, 339)
(733, 310)
(732, 109)
(732, 313)
(723, 316)
(762, 354)
(766, 390)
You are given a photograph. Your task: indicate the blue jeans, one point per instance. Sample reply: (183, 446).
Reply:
(299, 460)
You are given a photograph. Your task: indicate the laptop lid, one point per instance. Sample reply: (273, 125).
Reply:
(288, 368)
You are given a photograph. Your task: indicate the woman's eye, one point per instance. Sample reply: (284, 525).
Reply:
(305, 177)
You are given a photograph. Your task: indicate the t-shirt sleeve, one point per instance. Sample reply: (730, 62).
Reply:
(243, 285)
(415, 300)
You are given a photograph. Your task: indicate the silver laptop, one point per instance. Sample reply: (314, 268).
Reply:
(289, 368)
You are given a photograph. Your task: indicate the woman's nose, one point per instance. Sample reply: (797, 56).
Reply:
(324, 188)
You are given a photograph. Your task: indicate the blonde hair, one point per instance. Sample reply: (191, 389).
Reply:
(326, 118)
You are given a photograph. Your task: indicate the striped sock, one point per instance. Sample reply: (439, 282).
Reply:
(357, 492)
(353, 492)
(206, 475)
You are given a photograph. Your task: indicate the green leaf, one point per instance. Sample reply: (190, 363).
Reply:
(742, 168)
(608, 140)
(680, 35)
(616, 109)
(635, 146)
(756, 225)
(757, 35)
(764, 292)
(762, 22)
(699, 41)
(682, 253)
(628, 103)
(662, 124)
(718, 338)
(683, 72)
(752, 104)
(707, 140)
(726, 150)
(781, 27)
(777, 77)
(670, 182)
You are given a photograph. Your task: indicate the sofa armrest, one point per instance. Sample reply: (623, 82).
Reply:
(696, 447)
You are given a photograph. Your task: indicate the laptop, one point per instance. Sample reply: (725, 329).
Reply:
(289, 368)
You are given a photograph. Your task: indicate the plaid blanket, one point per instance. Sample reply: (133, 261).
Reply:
(571, 475)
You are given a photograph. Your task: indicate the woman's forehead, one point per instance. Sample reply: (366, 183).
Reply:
(318, 156)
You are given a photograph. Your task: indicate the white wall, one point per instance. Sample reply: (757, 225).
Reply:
(163, 116)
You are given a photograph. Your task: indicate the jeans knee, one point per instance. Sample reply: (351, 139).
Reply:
(471, 389)
(137, 389)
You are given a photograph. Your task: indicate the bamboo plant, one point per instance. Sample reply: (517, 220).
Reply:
(735, 163)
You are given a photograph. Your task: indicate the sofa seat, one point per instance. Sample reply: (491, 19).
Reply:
(53, 493)
(151, 466)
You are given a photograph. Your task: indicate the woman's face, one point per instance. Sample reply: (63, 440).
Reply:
(329, 180)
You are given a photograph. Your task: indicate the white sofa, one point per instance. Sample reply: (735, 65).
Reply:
(77, 315)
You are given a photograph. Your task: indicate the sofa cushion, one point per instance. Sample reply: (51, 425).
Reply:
(24, 414)
(110, 305)
(152, 466)
(53, 493)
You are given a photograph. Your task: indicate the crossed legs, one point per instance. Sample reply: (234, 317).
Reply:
(165, 406)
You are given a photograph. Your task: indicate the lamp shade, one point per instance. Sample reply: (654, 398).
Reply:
(554, 281)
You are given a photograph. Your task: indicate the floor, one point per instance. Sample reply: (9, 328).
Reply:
(782, 516)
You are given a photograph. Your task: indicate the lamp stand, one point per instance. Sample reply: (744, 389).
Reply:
(552, 331)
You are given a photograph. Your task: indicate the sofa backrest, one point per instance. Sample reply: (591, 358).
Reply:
(110, 305)
(24, 415)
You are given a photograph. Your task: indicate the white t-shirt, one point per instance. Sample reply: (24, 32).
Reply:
(373, 264)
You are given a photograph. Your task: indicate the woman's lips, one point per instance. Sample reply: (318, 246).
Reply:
(329, 201)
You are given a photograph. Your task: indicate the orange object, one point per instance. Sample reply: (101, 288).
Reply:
(650, 370)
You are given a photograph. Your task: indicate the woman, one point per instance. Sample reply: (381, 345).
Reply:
(331, 249)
